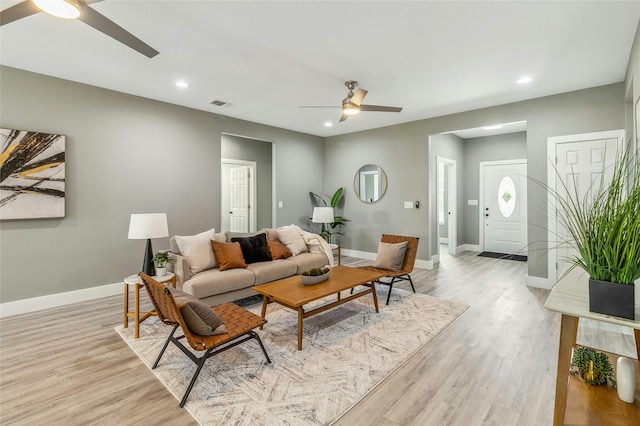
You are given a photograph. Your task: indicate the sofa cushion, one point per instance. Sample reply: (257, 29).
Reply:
(199, 317)
(214, 281)
(230, 235)
(197, 250)
(306, 261)
(278, 250)
(254, 249)
(390, 256)
(290, 237)
(272, 234)
(273, 270)
(228, 255)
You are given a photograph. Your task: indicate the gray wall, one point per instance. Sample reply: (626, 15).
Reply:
(239, 148)
(491, 148)
(403, 152)
(127, 154)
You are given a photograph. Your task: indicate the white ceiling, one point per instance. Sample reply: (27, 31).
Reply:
(267, 58)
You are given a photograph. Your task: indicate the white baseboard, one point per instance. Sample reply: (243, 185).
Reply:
(469, 247)
(444, 240)
(60, 299)
(539, 282)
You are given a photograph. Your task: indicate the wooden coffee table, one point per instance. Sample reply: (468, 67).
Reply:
(293, 294)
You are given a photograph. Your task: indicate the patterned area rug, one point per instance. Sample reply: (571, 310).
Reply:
(347, 351)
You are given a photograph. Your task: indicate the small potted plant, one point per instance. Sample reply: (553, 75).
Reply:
(160, 259)
(593, 366)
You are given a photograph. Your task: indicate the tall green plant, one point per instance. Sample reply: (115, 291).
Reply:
(337, 219)
(604, 224)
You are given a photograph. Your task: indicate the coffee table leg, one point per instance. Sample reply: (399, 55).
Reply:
(375, 295)
(265, 302)
(300, 315)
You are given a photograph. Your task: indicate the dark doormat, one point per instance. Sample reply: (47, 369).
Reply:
(517, 257)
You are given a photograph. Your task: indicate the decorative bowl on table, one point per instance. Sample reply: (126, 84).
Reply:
(315, 275)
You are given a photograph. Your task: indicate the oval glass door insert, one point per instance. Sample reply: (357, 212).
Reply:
(506, 196)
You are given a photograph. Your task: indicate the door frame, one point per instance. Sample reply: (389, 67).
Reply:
(252, 191)
(552, 143)
(452, 204)
(481, 191)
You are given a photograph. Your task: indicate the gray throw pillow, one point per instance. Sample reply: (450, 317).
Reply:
(199, 317)
(390, 256)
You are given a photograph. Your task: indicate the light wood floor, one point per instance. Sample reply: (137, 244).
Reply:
(494, 365)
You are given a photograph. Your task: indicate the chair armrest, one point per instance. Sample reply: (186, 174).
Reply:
(180, 267)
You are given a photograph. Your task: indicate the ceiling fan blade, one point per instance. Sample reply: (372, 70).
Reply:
(358, 96)
(317, 106)
(101, 23)
(379, 108)
(19, 11)
(343, 117)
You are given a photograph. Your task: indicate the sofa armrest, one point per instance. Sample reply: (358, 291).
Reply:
(180, 267)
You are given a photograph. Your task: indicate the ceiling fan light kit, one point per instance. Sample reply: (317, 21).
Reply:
(67, 9)
(352, 104)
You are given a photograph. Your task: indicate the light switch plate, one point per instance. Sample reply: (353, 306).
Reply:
(280, 204)
(408, 204)
(472, 202)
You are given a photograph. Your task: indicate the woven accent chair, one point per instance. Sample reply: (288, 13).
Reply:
(239, 322)
(407, 265)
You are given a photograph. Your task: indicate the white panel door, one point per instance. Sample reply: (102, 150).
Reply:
(239, 211)
(580, 166)
(505, 208)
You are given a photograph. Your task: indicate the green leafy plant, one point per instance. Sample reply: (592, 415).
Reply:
(593, 366)
(604, 225)
(337, 219)
(161, 259)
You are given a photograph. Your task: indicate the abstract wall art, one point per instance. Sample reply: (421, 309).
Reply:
(32, 175)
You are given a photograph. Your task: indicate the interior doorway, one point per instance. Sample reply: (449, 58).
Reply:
(238, 183)
(446, 204)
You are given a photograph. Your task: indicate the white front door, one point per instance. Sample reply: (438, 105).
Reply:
(580, 165)
(239, 208)
(504, 210)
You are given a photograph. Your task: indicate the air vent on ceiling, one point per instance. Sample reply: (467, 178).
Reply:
(220, 103)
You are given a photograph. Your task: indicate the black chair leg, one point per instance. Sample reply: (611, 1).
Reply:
(390, 288)
(200, 364)
(264, 351)
(411, 282)
(164, 348)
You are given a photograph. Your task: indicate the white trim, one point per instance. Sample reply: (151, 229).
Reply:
(481, 192)
(552, 142)
(443, 240)
(60, 299)
(452, 204)
(469, 247)
(539, 282)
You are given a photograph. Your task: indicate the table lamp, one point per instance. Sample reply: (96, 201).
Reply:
(323, 215)
(147, 226)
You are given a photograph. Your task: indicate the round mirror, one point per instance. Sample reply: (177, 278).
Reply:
(370, 183)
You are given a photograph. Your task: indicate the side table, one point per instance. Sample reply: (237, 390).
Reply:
(136, 282)
(336, 247)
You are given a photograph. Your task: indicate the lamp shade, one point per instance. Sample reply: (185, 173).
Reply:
(322, 215)
(148, 225)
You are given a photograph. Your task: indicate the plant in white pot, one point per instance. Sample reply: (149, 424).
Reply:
(603, 227)
(160, 260)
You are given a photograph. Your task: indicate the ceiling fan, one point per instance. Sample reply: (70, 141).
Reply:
(80, 10)
(352, 104)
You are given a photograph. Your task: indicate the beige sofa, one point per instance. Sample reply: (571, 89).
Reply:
(197, 270)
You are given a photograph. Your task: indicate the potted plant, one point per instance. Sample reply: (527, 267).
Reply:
(160, 260)
(337, 220)
(603, 227)
(593, 366)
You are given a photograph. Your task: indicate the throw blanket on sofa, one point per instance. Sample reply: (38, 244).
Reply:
(316, 244)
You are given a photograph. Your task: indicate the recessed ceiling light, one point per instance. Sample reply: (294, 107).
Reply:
(328, 124)
(182, 84)
(493, 127)
(524, 80)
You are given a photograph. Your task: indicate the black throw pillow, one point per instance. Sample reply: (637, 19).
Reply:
(254, 249)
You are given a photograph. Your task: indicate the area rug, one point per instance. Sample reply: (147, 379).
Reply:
(504, 256)
(347, 351)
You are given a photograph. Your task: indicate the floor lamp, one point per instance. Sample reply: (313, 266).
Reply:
(146, 226)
